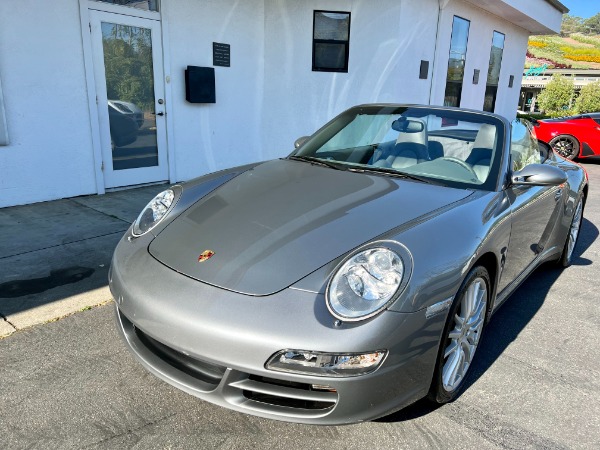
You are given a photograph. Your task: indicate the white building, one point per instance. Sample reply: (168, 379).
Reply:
(535, 81)
(93, 94)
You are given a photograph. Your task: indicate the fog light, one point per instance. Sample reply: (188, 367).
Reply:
(322, 387)
(325, 364)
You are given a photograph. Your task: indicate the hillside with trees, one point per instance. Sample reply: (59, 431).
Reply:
(577, 46)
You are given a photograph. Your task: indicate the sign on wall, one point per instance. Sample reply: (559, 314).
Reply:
(3, 127)
(221, 54)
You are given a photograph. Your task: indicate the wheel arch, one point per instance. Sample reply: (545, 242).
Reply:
(490, 262)
(568, 134)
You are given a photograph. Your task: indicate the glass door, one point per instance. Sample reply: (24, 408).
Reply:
(130, 97)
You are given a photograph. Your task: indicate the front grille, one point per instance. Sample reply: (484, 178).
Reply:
(200, 370)
(286, 394)
(271, 396)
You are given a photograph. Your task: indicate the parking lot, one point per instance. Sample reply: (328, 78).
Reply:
(71, 383)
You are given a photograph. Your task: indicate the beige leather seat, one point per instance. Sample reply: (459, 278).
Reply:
(483, 147)
(410, 147)
(404, 154)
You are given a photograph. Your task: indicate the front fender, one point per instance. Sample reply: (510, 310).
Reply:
(446, 247)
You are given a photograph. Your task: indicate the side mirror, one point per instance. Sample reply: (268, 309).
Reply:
(539, 175)
(300, 141)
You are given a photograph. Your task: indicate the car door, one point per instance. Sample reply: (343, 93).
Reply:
(590, 135)
(533, 208)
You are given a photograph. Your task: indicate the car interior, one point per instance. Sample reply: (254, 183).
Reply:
(445, 148)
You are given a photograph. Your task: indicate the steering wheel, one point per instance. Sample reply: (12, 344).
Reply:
(461, 163)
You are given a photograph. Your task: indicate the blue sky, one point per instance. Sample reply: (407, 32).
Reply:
(582, 8)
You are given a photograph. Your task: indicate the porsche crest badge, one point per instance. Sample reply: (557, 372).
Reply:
(205, 255)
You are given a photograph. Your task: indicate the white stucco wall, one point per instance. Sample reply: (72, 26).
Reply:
(45, 100)
(387, 44)
(536, 16)
(209, 137)
(515, 47)
(483, 24)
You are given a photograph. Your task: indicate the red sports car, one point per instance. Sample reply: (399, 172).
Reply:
(571, 137)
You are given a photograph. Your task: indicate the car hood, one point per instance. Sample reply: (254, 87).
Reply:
(276, 223)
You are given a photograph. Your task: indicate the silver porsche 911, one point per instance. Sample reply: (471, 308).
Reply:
(353, 277)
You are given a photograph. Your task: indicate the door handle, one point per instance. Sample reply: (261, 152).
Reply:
(558, 194)
(160, 113)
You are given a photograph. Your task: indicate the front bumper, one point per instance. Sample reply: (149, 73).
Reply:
(214, 344)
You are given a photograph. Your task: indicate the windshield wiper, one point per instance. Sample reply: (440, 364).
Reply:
(394, 173)
(317, 161)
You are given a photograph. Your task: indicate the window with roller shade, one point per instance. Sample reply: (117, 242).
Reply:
(331, 41)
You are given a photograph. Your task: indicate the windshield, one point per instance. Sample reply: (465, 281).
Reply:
(447, 146)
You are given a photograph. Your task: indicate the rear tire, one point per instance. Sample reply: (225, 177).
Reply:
(566, 258)
(461, 337)
(566, 146)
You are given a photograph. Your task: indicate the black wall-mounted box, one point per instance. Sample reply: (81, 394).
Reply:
(200, 84)
(423, 70)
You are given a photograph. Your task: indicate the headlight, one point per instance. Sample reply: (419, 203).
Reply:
(325, 364)
(365, 284)
(154, 212)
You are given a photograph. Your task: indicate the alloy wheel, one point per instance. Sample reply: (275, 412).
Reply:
(574, 230)
(565, 146)
(463, 339)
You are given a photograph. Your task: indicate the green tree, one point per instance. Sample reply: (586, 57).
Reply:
(589, 98)
(571, 24)
(556, 98)
(592, 25)
(128, 64)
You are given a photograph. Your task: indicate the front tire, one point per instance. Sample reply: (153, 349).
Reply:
(462, 334)
(567, 255)
(566, 146)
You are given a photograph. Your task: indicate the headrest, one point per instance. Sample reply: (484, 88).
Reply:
(486, 137)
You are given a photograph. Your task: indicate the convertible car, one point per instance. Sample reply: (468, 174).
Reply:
(352, 277)
(571, 137)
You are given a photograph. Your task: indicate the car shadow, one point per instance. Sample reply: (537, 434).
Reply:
(509, 320)
(589, 160)
(62, 249)
(60, 277)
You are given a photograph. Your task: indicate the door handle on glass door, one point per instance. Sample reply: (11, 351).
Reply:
(160, 113)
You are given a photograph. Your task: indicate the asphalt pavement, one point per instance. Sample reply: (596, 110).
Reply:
(54, 256)
(71, 383)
